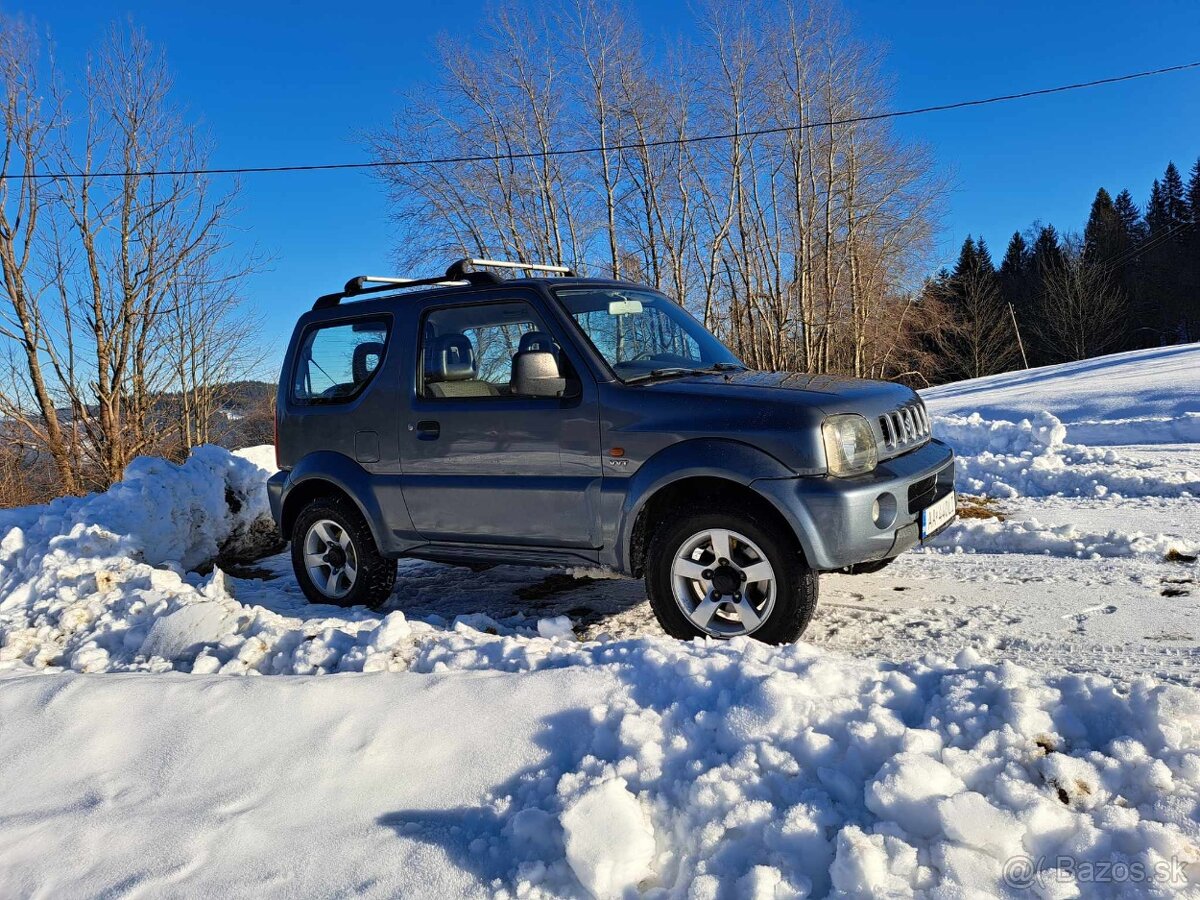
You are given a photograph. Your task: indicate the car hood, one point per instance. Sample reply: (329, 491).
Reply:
(831, 393)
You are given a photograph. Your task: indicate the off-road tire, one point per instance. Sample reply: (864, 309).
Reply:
(796, 590)
(376, 573)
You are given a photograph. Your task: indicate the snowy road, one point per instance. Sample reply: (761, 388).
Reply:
(1021, 690)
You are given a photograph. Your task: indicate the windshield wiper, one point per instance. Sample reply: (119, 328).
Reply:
(662, 373)
(672, 371)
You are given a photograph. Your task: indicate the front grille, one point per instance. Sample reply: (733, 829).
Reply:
(905, 427)
(921, 493)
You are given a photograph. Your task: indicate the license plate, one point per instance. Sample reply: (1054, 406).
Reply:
(935, 516)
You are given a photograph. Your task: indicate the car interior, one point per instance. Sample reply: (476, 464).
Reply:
(470, 352)
(452, 366)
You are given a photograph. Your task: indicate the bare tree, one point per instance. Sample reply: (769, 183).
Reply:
(28, 122)
(211, 347)
(794, 247)
(1084, 307)
(980, 339)
(100, 272)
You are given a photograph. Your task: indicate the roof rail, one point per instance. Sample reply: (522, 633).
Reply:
(371, 284)
(459, 268)
(457, 274)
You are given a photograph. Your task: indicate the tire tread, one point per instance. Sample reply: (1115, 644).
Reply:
(376, 572)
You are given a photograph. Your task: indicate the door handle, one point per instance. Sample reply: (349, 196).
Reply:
(428, 430)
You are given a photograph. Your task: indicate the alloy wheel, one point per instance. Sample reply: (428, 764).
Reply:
(330, 559)
(723, 583)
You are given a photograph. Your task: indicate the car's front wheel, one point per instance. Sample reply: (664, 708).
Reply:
(335, 557)
(723, 575)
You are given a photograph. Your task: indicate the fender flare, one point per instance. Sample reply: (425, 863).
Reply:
(342, 473)
(722, 458)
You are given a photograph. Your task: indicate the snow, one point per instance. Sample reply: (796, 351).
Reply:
(1159, 384)
(654, 764)
(178, 513)
(201, 786)
(609, 839)
(556, 626)
(1011, 708)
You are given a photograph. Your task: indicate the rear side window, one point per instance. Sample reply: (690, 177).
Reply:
(336, 362)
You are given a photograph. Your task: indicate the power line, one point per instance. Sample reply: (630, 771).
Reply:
(575, 151)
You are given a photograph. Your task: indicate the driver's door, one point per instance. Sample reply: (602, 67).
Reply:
(483, 465)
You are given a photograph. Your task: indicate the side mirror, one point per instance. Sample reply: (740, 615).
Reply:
(535, 374)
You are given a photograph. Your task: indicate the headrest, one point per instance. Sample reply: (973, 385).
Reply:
(362, 364)
(450, 358)
(537, 340)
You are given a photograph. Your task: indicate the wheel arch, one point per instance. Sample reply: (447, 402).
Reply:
(328, 475)
(708, 471)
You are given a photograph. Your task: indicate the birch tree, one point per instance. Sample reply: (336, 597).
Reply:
(102, 259)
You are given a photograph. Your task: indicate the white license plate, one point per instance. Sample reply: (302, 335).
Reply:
(935, 516)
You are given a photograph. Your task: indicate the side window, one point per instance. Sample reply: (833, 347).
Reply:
(468, 351)
(336, 362)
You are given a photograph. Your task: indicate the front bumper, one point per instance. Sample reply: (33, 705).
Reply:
(833, 516)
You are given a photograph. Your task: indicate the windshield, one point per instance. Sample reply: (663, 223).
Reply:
(644, 335)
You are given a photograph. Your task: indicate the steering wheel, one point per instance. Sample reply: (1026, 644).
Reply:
(644, 355)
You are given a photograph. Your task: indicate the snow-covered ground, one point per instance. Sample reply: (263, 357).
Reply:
(1013, 708)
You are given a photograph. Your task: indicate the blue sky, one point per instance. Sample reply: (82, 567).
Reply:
(278, 82)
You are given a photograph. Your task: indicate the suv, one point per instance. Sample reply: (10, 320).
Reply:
(555, 420)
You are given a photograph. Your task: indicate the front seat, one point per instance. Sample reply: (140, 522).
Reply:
(450, 369)
(537, 340)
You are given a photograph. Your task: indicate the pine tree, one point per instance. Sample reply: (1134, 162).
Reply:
(967, 259)
(1129, 272)
(1015, 273)
(1132, 228)
(1102, 236)
(1156, 211)
(1046, 260)
(1047, 252)
(1016, 281)
(1193, 193)
(1016, 257)
(1191, 274)
(985, 257)
(1173, 198)
(1165, 301)
(981, 339)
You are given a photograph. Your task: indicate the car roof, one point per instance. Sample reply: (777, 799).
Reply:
(386, 302)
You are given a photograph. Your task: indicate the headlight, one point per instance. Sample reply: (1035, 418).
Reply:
(849, 445)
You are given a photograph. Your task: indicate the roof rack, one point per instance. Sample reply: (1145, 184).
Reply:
(460, 272)
(459, 268)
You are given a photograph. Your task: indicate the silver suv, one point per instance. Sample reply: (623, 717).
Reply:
(555, 420)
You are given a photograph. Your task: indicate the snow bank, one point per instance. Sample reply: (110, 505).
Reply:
(683, 770)
(1184, 429)
(1162, 383)
(1034, 458)
(1032, 536)
(184, 514)
(83, 580)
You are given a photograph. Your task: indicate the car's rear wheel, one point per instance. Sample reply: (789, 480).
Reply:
(335, 557)
(723, 575)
